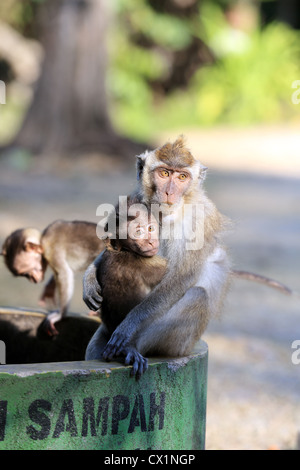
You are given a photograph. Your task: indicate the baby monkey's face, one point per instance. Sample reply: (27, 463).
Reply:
(28, 263)
(143, 235)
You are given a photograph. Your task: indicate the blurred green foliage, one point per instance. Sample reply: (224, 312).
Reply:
(250, 84)
(249, 81)
(140, 44)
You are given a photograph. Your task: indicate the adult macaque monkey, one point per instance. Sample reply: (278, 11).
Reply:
(176, 312)
(174, 315)
(131, 265)
(67, 247)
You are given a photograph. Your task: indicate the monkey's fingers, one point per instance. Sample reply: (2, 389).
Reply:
(114, 347)
(109, 352)
(47, 326)
(139, 369)
(138, 362)
(93, 302)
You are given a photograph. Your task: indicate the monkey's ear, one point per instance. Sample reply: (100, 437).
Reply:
(202, 172)
(112, 244)
(107, 241)
(140, 163)
(107, 235)
(32, 246)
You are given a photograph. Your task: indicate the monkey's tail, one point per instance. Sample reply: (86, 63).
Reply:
(264, 280)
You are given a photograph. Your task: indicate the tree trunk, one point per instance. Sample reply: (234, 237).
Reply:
(69, 110)
(289, 11)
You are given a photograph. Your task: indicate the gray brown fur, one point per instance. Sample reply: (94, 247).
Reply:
(66, 246)
(176, 312)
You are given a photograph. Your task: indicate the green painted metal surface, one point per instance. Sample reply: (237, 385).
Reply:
(97, 405)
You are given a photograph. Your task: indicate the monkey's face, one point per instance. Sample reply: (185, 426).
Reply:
(170, 184)
(169, 175)
(143, 236)
(30, 264)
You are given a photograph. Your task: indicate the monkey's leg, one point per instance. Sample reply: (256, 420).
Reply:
(212, 276)
(97, 344)
(176, 333)
(64, 279)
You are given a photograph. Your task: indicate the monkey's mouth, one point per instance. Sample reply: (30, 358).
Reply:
(36, 279)
(151, 252)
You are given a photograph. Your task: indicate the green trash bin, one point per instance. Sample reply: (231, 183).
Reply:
(97, 405)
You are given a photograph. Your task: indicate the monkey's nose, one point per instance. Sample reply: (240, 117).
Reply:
(153, 244)
(170, 189)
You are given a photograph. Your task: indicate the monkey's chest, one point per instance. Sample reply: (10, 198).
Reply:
(120, 297)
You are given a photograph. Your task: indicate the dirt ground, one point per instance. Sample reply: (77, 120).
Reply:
(254, 178)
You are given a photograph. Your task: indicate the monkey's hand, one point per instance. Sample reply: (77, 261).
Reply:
(117, 344)
(47, 325)
(92, 289)
(138, 362)
(134, 358)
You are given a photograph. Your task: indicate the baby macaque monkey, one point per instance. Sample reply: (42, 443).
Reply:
(128, 270)
(67, 247)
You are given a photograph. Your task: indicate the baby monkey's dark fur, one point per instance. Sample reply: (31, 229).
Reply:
(126, 273)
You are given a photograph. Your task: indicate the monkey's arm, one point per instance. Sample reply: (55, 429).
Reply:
(64, 279)
(91, 287)
(49, 291)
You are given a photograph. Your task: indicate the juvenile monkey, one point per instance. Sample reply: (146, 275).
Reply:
(174, 315)
(127, 271)
(67, 247)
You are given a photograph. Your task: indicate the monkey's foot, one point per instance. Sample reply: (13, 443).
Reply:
(138, 362)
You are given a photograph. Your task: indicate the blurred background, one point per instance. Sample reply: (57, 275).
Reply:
(89, 84)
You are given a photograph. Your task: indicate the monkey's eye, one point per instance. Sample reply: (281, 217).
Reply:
(151, 228)
(138, 233)
(164, 173)
(182, 176)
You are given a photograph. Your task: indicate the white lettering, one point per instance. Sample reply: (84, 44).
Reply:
(2, 352)
(113, 460)
(296, 354)
(295, 99)
(2, 92)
